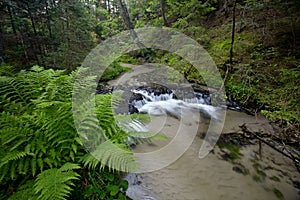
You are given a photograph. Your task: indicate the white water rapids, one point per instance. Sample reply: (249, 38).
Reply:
(163, 104)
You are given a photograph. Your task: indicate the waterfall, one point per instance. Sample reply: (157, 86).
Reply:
(155, 103)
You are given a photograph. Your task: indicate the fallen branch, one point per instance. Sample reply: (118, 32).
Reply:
(283, 149)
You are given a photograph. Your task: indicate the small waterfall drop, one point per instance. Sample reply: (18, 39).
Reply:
(162, 102)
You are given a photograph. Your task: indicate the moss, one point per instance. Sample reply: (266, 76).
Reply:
(261, 173)
(258, 168)
(275, 178)
(256, 178)
(278, 193)
(234, 151)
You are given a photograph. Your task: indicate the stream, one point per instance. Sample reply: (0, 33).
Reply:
(257, 172)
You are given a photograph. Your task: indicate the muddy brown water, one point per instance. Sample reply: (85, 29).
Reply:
(270, 176)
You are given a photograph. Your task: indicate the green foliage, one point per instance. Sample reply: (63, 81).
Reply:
(107, 25)
(182, 66)
(38, 139)
(114, 70)
(128, 59)
(243, 92)
(6, 70)
(36, 129)
(234, 150)
(24, 191)
(282, 115)
(56, 183)
(98, 185)
(188, 13)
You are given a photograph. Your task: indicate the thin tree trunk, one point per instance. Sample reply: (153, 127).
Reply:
(31, 19)
(36, 43)
(48, 21)
(68, 39)
(108, 7)
(12, 20)
(229, 67)
(104, 5)
(50, 45)
(125, 15)
(129, 25)
(23, 46)
(1, 42)
(163, 11)
(232, 37)
(18, 32)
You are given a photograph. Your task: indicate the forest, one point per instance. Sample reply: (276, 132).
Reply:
(255, 45)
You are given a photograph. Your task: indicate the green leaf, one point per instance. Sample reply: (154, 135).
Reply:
(53, 184)
(123, 184)
(114, 189)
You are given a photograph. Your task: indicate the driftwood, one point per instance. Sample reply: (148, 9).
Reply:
(273, 142)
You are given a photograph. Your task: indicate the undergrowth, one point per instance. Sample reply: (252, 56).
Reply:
(41, 154)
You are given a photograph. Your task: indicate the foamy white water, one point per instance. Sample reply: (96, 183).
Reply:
(165, 104)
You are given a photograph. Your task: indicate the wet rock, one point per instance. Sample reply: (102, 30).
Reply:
(296, 184)
(104, 89)
(234, 104)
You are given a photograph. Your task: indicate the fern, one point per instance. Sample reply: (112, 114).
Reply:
(103, 138)
(38, 137)
(55, 184)
(36, 125)
(18, 93)
(25, 192)
(114, 156)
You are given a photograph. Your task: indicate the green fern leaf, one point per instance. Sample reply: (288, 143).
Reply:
(24, 192)
(114, 156)
(12, 156)
(33, 164)
(54, 184)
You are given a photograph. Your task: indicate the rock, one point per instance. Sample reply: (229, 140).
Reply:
(296, 184)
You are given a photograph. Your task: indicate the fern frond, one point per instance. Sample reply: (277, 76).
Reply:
(24, 192)
(56, 184)
(18, 93)
(12, 156)
(114, 156)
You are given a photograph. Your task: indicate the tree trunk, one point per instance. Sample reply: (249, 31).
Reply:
(125, 15)
(12, 21)
(35, 42)
(68, 40)
(129, 25)
(163, 11)
(108, 7)
(48, 21)
(1, 42)
(229, 68)
(232, 37)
